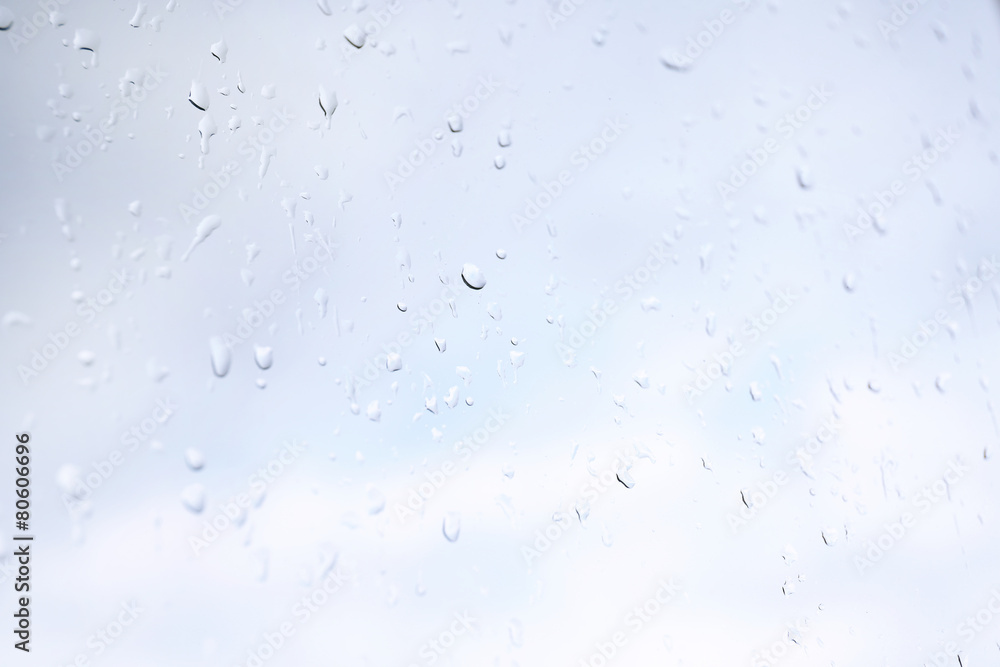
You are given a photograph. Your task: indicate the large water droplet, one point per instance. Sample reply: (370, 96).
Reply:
(199, 95)
(473, 277)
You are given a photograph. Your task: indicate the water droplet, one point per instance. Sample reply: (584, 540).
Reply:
(504, 138)
(355, 35)
(393, 362)
(494, 310)
(221, 356)
(473, 277)
(328, 103)
(641, 379)
(455, 123)
(204, 229)
(499, 162)
(451, 526)
(220, 50)
(268, 91)
(501, 254)
(87, 40)
(451, 400)
(135, 208)
(849, 281)
(194, 458)
(755, 391)
(376, 500)
(199, 95)
(322, 300)
(264, 356)
(193, 498)
(374, 411)
(6, 18)
(441, 344)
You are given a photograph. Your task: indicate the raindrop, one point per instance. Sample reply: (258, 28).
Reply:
(501, 254)
(204, 229)
(328, 103)
(374, 411)
(199, 95)
(355, 35)
(6, 18)
(322, 299)
(221, 356)
(473, 277)
(220, 49)
(87, 40)
(441, 344)
(193, 498)
(451, 526)
(393, 362)
(194, 458)
(755, 391)
(264, 356)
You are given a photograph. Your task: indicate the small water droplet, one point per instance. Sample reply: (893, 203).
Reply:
(193, 498)
(194, 458)
(264, 356)
(451, 526)
(501, 254)
(220, 50)
(221, 356)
